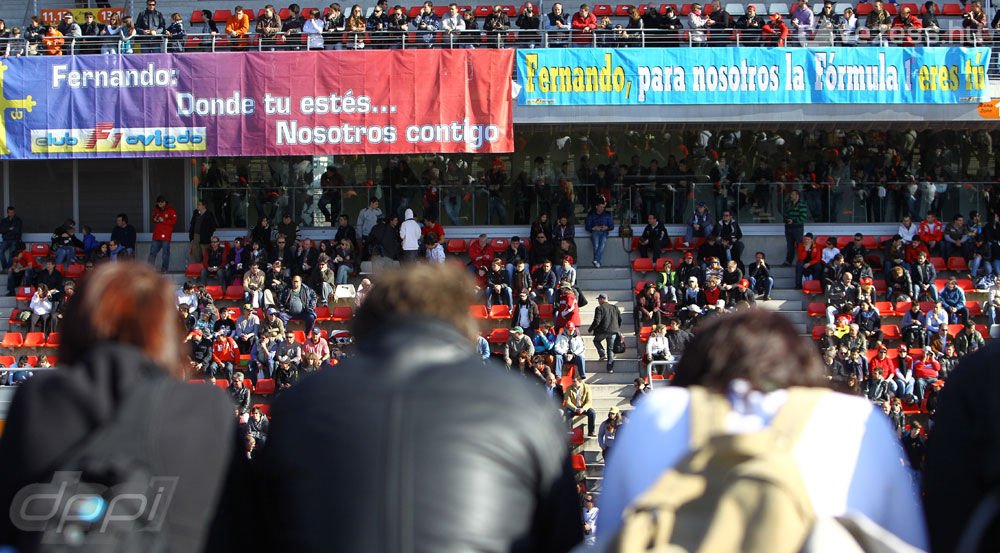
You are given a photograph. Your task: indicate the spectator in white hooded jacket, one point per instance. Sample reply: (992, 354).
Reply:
(409, 231)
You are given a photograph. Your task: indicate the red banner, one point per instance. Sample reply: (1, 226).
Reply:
(259, 104)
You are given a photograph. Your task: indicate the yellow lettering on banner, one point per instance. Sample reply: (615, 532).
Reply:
(573, 78)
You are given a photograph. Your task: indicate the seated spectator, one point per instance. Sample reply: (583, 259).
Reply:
(524, 313)
(968, 340)
(286, 374)
(953, 300)
(833, 271)
(298, 302)
(830, 250)
(701, 224)
(240, 394)
(567, 309)
(658, 347)
(225, 357)
(711, 249)
(809, 262)
(565, 272)
(931, 229)
(869, 322)
(49, 275)
(980, 256)
(41, 307)
(923, 274)
(751, 24)
(264, 356)
(925, 372)
(344, 259)
(956, 240)
(433, 249)
(498, 288)
(654, 238)
(515, 251)
(899, 286)
(544, 282)
(688, 268)
(517, 344)
(257, 426)
(569, 348)
(912, 326)
(855, 247)
(881, 370)
(841, 297)
(215, 264)
(316, 345)
(253, 286)
(246, 329)
(65, 243)
(579, 402)
(759, 275)
(481, 252)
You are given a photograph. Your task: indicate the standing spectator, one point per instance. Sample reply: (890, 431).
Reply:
(268, 27)
(200, 231)
(453, 24)
(775, 33)
(409, 233)
(804, 22)
(599, 223)
(53, 42)
(427, 24)
(795, 213)
(583, 24)
(124, 234)
(11, 228)
(367, 219)
(65, 243)
(71, 30)
(33, 34)
(697, 21)
(150, 23)
(605, 328)
(590, 513)
(557, 25)
(579, 402)
(175, 33)
(313, 28)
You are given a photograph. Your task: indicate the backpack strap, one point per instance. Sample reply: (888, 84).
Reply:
(791, 420)
(707, 413)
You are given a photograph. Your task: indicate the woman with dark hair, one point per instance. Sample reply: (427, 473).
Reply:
(41, 310)
(117, 408)
(757, 361)
(261, 232)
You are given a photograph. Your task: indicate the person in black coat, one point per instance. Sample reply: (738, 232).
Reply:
(963, 454)
(654, 238)
(188, 431)
(384, 240)
(605, 328)
(200, 231)
(416, 478)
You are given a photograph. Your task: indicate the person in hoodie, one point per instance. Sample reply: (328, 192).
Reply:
(409, 233)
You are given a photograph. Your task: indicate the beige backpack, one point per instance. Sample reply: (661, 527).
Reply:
(742, 493)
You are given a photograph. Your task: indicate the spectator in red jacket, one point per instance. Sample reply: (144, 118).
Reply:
(914, 248)
(902, 26)
(775, 31)
(882, 368)
(225, 356)
(584, 23)
(810, 262)
(925, 373)
(164, 218)
(481, 252)
(931, 231)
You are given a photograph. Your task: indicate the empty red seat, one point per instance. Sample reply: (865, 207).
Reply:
(579, 463)
(679, 244)
(957, 264)
(41, 250)
(885, 308)
(864, 8)
(341, 314)
(975, 310)
(685, 9)
(479, 312)
(34, 340)
(24, 293)
(499, 244)
(234, 292)
(53, 360)
(811, 287)
(32, 360)
(603, 10)
(215, 291)
(818, 331)
(500, 312)
(546, 311)
(53, 340)
(12, 340)
(300, 336)
(323, 313)
(15, 317)
(642, 264)
(498, 336)
(816, 309)
(891, 332)
(264, 387)
(621, 10)
(221, 16)
(880, 286)
(193, 270)
(456, 245)
(966, 285)
(7, 360)
(222, 383)
(576, 437)
(641, 285)
(197, 17)
(644, 333)
(984, 330)
(939, 263)
(951, 9)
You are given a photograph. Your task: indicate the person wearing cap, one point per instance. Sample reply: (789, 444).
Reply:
(608, 431)
(751, 22)
(272, 324)
(741, 293)
(315, 344)
(567, 307)
(605, 329)
(570, 348)
(524, 312)
(688, 268)
(700, 224)
(246, 329)
(225, 356)
(517, 344)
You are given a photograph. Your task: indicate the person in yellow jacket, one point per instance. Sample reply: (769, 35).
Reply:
(579, 402)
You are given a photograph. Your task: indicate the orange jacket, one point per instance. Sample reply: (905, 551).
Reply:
(238, 25)
(813, 255)
(53, 43)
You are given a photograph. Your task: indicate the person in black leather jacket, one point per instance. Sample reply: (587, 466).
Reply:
(412, 446)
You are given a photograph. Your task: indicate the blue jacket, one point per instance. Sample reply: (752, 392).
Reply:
(952, 298)
(595, 220)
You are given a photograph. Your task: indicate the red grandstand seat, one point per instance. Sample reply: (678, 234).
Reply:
(32, 360)
(685, 9)
(456, 245)
(891, 332)
(500, 312)
(818, 331)
(265, 409)
(984, 330)
(576, 438)
(193, 270)
(498, 336)
(953, 330)
(939, 263)
(197, 17)
(880, 286)
(816, 309)
(221, 16)
(264, 387)
(508, 9)
(864, 8)
(679, 244)
(951, 8)
(662, 261)
(546, 311)
(222, 383)
(957, 264)
(323, 313)
(926, 306)
(74, 270)
(7, 360)
(24, 293)
(642, 264)
(216, 292)
(885, 308)
(53, 340)
(913, 8)
(234, 292)
(341, 314)
(34, 340)
(902, 307)
(621, 10)
(891, 8)
(15, 318)
(579, 463)
(479, 312)
(53, 360)
(644, 333)
(481, 11)
(40, 250)
(12, 340)
(603, 10)
(300, 336)
(499, 244)
(811, 287)
(975, 310)
(966, 285)
(640, 285)
(635, 243)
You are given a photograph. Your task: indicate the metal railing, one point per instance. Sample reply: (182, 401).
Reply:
(615, 37)
(629, 201)
(667, 366)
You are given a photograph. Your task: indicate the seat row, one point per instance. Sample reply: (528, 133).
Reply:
(10, 360)
(815, 287)
(892, 332)
(885, 309)
(13, 340)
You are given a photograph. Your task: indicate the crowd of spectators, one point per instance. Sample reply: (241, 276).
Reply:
(454, 26)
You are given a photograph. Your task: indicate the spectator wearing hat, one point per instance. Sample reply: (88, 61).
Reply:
(775, 33)
(517, 344)
(605, 329)
(741, 294)
(688, 268)
(225, 356)
(700, 224)
(569, 348)
(316, 345)
(567, 307)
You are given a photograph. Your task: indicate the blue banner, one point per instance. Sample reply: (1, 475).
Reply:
(638, 76)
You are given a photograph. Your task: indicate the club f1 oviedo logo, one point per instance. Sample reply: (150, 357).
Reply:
(16, 107)
(73, 512)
